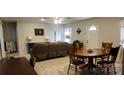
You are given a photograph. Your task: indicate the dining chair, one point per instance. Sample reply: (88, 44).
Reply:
(75, 62)
(106, 46)
(78, 44)
(110, 63)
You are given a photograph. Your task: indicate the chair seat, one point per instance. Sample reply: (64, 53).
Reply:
(105, 62)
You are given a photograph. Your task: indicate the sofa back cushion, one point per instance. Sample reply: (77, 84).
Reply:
(62, 49)
(40, 51)
(52, 50)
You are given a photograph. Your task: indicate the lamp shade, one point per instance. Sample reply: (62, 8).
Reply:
(46, 38)
(29, 38)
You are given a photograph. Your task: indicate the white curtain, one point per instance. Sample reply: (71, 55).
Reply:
(120, 56)
(122, 36)
(121, 52)
(2, 40)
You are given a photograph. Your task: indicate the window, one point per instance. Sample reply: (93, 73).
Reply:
(92, 28)
(67, 35)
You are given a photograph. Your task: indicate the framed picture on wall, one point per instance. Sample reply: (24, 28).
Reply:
(38, 32)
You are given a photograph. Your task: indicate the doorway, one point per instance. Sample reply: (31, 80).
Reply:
(92, 36)
(10, 38)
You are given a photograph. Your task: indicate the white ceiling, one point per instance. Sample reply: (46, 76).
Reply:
(47, 19)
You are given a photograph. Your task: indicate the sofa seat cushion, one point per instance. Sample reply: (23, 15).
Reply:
(42, 56)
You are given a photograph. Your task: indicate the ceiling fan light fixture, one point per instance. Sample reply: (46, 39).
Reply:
(59, 21)
(55, 21)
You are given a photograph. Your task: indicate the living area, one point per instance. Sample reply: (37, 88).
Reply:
(45, 41)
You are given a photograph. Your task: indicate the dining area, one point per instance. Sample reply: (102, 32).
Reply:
(95, 61)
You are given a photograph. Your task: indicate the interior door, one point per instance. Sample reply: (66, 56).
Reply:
(92, 38)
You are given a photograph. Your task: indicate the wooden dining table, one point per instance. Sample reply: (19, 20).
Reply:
(91, 54)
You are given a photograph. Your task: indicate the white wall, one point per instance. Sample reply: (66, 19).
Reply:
(25, 29)
(109, 29)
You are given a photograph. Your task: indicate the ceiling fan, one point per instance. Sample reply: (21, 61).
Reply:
(56, 20)
(49, 18)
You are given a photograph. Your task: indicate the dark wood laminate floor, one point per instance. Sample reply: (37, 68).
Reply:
(16, 66)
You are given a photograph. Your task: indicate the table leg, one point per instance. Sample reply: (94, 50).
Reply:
(90, 63)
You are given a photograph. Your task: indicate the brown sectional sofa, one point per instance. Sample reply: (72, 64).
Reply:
(48, 50)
